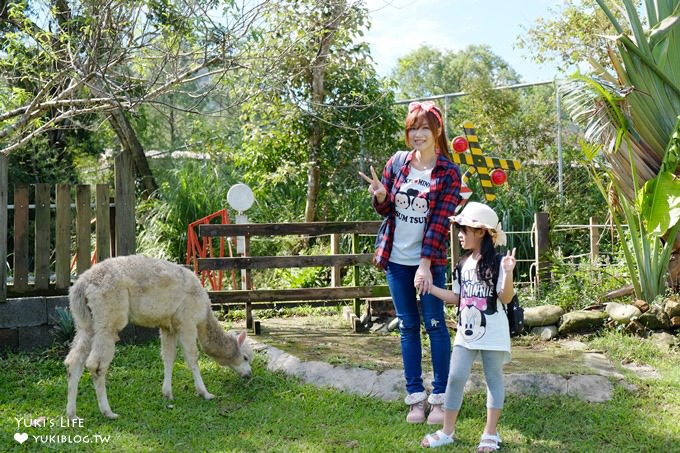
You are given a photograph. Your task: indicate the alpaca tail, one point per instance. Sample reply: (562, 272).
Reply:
(82, 317)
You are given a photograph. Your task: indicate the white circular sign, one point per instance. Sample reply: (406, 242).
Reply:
(240, 197)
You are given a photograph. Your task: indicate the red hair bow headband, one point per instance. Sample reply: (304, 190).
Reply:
(426, 106)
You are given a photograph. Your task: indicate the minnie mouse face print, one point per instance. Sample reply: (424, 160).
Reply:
(472, 323)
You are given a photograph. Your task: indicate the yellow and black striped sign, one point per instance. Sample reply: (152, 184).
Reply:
(478, 163)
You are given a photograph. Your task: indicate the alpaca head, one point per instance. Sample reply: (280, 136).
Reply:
(239, 359)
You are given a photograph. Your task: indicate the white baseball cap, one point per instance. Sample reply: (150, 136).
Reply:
(479, 215)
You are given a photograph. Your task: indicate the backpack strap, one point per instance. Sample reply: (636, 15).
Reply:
(497, 260)
(398, 162)
(459, 277)
(497, 268)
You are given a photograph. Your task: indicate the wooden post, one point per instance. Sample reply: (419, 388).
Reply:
(355, 274)
(542, 245)
(247, 284)
(83, 228)
(594, 240)
(103, 234)
(4, 186)
(336, 271)
(42, 236)
(112, 226)
(63, 237)
(20, 238)
(125, 204)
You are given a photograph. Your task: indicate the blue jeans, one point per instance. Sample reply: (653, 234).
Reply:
(400, 281)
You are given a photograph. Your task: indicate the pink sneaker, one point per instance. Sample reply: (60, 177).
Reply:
(417, 403)
(436, 416)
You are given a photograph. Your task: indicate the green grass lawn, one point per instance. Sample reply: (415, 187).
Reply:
(275, 413)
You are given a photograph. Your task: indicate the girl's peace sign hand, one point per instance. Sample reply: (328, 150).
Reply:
(375, 188)
(509, 261)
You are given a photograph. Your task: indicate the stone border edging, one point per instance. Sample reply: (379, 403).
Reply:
(389, 385)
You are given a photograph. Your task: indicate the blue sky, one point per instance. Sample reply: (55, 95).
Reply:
(400, 26)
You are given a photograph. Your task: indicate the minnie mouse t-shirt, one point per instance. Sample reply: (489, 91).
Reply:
(480, 326)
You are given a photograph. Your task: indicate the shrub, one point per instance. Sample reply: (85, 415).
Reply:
(64, 328)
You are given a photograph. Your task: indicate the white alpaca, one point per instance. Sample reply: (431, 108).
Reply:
(152, 293)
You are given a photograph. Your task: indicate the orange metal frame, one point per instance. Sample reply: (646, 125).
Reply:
(203, 248)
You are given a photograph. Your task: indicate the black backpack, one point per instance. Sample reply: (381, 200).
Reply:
(515, 316)
(514, 312)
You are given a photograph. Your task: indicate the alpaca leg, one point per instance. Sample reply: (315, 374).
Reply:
(103, 348)
(187, 339)
(75, 363)
(168, 353)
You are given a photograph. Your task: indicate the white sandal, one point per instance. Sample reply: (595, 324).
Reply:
(492, 441)
(441, 439)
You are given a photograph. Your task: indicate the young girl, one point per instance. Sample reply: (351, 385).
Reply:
(482, 323)
(418, 192)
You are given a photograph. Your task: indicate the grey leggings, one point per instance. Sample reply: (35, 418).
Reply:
(461, 367)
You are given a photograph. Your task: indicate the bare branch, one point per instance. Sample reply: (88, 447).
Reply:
(52, 121)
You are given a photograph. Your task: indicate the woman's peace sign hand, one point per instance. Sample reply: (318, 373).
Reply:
(509, 261)
(375, 187)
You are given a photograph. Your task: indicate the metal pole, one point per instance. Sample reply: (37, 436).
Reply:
(463, 93)
(560, 157)
(446, 115)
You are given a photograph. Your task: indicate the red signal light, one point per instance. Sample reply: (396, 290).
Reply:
(459, 144)
(498, 177)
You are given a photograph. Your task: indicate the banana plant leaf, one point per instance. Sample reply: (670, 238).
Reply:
(660, 203)
(659, 199)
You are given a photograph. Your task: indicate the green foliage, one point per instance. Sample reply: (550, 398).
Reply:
(634, 119)
(575, 284)
(38, 163)
(187, 193)
(576, 32)
(285, 311)
(64, 329)
(651, 213)
(286, 129)
(427, 72)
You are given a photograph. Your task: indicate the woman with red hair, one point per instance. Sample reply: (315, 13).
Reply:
(418, 191)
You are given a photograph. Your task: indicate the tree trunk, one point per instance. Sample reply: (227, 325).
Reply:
(318, 73)
(128, 139)
(313, 184)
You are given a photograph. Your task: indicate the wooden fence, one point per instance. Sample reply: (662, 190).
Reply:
(265, 298)
(253, 298)
(45, 268)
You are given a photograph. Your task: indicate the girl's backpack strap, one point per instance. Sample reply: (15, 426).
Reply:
(458, 277)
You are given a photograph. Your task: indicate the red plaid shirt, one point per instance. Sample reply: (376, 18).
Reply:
(443, 199)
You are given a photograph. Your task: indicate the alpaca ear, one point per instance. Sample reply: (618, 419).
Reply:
(241, 338)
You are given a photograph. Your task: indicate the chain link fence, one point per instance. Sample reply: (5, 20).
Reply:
(553, 178)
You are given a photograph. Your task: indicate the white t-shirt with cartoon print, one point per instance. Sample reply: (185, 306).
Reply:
(478, 327)
(411, 207)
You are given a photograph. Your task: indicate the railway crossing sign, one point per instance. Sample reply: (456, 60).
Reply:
(491, 170)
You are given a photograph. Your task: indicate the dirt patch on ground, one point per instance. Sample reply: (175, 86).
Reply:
(330, 339)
